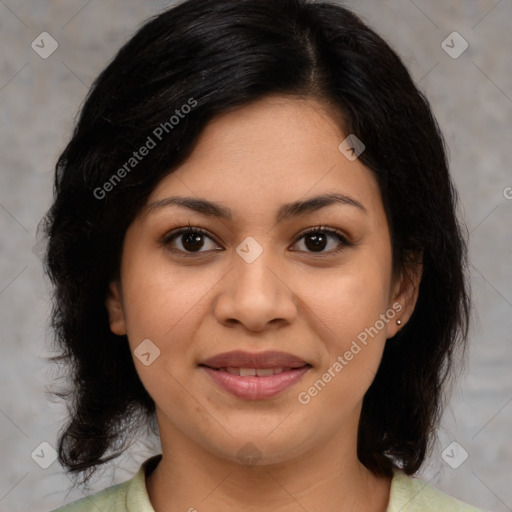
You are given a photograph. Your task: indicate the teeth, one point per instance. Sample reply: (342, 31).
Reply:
(253, 372)
(263, 372)
(247, 372)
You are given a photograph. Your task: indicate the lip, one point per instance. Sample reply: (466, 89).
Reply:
(255, 388)
(242, 359)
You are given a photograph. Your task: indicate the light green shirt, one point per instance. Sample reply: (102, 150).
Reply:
(408, 494)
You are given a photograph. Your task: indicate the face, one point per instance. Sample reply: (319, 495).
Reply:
(262, 277)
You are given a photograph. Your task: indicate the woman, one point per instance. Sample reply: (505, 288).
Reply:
(254, 247)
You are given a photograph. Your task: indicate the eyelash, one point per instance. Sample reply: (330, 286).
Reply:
(320, 229)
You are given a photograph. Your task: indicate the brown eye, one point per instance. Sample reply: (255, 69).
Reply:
(191, 240)
(316, 240)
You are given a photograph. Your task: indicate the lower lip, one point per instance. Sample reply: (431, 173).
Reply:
(256, 388)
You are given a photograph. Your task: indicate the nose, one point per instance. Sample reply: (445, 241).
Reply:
(256, 294)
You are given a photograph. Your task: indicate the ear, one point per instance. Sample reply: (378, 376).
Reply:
(405, 294)
(114, 307)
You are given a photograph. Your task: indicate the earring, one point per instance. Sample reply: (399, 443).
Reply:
(399, 322)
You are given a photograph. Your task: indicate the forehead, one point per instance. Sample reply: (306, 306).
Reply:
(275, 151)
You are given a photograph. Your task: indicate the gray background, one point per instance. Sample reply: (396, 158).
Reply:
(472, 99)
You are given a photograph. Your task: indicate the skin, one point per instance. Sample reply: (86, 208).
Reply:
(291, 298)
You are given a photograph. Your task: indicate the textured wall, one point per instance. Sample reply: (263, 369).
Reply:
(472, 98)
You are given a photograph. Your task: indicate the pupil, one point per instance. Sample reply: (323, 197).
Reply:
(318, 241)
(192, 241)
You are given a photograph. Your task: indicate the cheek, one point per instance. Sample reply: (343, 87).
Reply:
(352, 348)
(347, 307)
(163, 306)
(351, 298)
(160, 297)
(166, 305)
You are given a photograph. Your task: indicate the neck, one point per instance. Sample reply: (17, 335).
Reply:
(328, 476)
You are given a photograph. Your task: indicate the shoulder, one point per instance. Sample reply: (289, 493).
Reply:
(124, 497)
(111, 499)
(410, 494)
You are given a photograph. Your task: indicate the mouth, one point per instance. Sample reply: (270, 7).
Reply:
(255, 372)
(255, 376)
(240, 359)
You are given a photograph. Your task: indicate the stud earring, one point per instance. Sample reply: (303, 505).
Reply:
(399, 322)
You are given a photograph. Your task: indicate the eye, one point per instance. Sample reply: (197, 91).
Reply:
(317, 239)
(191, 240)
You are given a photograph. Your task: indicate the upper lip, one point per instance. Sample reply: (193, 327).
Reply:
(241, 359)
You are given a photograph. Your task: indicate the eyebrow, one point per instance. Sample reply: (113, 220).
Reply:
(286, 211)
